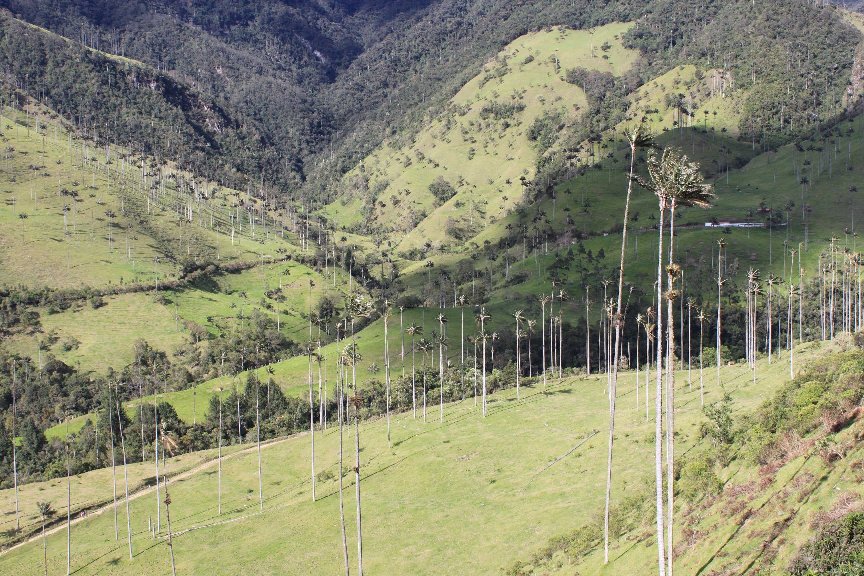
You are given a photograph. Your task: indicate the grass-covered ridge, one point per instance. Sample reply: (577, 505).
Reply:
(468, 166)
(525, 474)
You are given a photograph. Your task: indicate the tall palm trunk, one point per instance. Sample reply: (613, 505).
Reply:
(68, 506)
(670, 383)
(587, 334)
(475, 371)
(219, 471)
(617, 354)
(15, 450)
(719, 292)
(168, 518)
(258, 442)
(701, 383)
(341, 384)
(483, 334)
(311, 419)
(658, 411)
(357, 466)
(156, 454)
(518, 358)
(113, 464)
(125, 481)
(387, 370)
(542, 339)
(648, 336)
(413, 380)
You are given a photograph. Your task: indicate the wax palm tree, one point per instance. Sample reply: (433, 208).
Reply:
(701, 318)
(563, 296)
(481, 318)
(386, 317)
(685, 187)
(258, 437)
(169, 446)
(414, 330)
(356, 401)
(721, 245)
(442, 344)
(475, 341)
(46, 512)
(649, 339)
(125, 475)
(531, 325)
(310, 352)
(771, 281)
(345, 358)
(519, 319)
(543, 299)
(690, 305)
(219, 457)
(461, 301)
(640, 320)
(14, 447)
(637, 137)
(425, 346)
(402, 338)
(793, 292)
(358, 308)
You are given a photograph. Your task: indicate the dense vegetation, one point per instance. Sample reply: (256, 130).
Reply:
(304, 92)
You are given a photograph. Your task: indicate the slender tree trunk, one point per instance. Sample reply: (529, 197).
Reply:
(168, 518)
(670, 389)
(258, 442)
(658, 412)
(15, 452)
(689, 347)
(312, 424)
(219, 471)
(387, 372)
(647, 370)
(518, 360)
(617, 354)
(68, 513)
(587, 335)
(125, 481)
(483, 333)
(413, 380)
(719, 291)
(357, 470)
(701, 383)
(156, 453)
(543, 339)
(44, 548)
(113, 465)
(341, 469)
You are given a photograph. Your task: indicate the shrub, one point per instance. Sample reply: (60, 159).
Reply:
(442, 190)
(837, 550)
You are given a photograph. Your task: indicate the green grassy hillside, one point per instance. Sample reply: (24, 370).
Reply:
(480, 144)
(76, 214)
(469, 495)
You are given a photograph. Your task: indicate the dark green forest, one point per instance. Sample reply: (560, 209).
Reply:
(293, 96)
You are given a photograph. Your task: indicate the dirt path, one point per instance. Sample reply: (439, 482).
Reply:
(140, 492)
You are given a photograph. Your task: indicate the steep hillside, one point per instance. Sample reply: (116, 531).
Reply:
(469, 165)
(473, 494)
(320, 86)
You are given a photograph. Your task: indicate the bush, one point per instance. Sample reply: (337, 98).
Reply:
(441, 189)
(837, 550)
(698, 478)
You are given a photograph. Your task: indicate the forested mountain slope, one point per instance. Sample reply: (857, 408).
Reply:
(321, 86)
